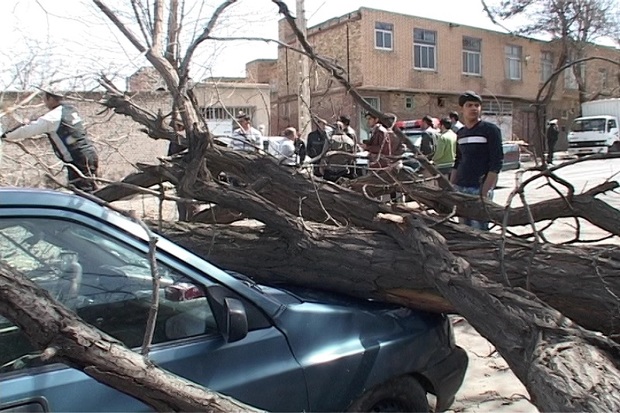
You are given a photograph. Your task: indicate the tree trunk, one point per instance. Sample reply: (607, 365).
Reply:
(354, 251)
(581, 282)
(62, 336)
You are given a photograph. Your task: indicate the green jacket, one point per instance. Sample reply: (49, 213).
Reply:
(446, 150)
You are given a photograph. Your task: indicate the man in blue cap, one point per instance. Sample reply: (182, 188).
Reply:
(479, 154)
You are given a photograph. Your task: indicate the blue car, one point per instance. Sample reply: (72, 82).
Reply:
(277, 348)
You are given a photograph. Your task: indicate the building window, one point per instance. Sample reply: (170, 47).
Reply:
(225, 113)
(424, 49)
(498, 108)
(472, 49)
(603, 78)
(383, 36)
(546, 66)
(513, 62)
(409, 102)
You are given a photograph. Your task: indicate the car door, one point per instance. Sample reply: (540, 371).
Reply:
(103, 274)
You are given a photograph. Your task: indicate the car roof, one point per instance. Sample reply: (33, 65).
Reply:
(15, 197)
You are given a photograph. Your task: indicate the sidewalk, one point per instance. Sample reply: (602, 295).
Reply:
(561, 155)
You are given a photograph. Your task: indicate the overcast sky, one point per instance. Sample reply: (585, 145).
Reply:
(70, 37)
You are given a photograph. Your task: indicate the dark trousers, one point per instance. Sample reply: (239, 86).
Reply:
(186, 210)
(551, 148)
(88, 165)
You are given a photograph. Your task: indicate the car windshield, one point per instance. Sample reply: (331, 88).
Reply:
(414, 137)
(46, 250)
(589, 125)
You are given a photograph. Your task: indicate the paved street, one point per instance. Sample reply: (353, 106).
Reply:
(583, 176)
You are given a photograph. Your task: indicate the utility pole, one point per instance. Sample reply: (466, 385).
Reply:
(303, 99)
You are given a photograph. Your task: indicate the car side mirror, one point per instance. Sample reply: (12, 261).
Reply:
(229, 313)
(236, 324)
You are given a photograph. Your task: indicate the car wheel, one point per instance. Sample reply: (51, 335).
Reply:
(615, 147)
(403, 394)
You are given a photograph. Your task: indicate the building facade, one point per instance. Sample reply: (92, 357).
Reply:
(220, 99)
(412, 66)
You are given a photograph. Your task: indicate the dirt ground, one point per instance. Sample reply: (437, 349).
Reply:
(489, 385)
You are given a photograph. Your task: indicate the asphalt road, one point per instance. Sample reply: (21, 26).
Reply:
(582, 176)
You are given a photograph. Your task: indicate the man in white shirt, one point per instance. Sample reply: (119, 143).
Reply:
(246, 138)
(287, 153)
(67, 134)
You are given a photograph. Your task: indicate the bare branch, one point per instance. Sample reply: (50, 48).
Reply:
(114, 19)
(183, 70)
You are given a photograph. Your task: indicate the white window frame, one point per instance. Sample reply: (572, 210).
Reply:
(472, 56)
(426, 44)
(514, 69)
(218, 112)
(385, 30)
(546, 66)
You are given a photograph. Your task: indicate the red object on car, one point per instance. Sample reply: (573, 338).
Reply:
(183, 292)
(415, 124)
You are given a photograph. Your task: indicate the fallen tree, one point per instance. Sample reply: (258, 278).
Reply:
(342, 239)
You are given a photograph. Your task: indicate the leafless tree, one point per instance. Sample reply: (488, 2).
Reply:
(437, 265)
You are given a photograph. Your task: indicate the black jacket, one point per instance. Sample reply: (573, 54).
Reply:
(316, 142)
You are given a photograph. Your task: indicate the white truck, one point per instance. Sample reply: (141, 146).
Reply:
(597, 130)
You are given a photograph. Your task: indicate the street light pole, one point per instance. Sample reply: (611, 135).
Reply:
(303, 99)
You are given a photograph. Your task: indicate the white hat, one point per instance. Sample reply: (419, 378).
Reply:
(553, 122)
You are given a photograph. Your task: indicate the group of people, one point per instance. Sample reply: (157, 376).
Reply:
(470, 153)
(340, 142)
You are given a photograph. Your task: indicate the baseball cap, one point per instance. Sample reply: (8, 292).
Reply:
(469, 96)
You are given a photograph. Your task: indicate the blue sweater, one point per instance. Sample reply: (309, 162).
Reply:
(478, 152)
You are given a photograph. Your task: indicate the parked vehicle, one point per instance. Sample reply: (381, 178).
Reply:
(283, 348)
(596, 131)
(512, 155)
(413, 129)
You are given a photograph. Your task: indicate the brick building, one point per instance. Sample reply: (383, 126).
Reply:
(221, 99)
(414, 66)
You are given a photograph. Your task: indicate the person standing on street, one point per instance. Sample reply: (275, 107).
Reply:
(429, 137)
(383, 143)
(245, 138)
(288, 153)
(67, 134)
(348, 130)
(317, 140)
(552, 138)
(444, 155)
(456, 123)
(479, 154)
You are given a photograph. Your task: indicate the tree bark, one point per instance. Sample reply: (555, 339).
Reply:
(581, 282)
(62, 336)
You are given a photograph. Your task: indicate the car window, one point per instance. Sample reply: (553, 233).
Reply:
(107, 282)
